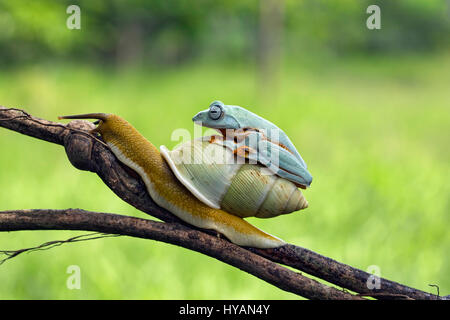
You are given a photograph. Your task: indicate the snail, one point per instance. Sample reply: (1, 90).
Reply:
(215, 176)
(165, 179)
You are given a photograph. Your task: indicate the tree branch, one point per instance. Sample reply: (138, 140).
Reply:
(51, 244)
(174, 233)
(89, 153)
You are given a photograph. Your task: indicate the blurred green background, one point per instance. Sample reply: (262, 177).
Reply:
(367, 109)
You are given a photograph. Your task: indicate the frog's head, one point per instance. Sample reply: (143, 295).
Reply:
(217, 116)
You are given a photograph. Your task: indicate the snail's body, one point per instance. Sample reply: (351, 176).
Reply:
(131, 148)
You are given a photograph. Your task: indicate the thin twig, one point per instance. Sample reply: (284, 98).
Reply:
(437, 288)
(58, 125)
(51, 244)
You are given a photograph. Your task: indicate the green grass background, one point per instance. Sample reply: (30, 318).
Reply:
(374, 132)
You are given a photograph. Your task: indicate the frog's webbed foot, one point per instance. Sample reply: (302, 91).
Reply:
(244, 151)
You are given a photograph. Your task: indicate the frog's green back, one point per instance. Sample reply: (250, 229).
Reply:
(248, 119)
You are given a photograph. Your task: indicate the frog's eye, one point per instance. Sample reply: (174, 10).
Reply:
(215, 111)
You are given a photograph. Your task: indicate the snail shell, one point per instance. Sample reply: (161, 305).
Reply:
(220, 179)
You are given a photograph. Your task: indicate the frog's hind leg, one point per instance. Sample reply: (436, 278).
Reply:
(283, 163)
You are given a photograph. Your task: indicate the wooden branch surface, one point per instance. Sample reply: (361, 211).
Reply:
(174, 233)
(89, 153)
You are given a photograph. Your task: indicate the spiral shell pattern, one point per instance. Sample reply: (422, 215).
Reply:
(220, 179)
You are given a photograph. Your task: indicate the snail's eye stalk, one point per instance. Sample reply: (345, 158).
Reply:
(215, 112)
